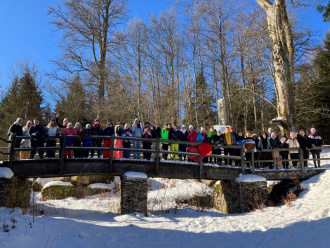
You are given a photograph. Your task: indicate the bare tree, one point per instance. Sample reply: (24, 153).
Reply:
(87, 28)
(280, 34)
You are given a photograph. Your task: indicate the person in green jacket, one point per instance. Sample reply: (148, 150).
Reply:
(209, 139)
(164, 135)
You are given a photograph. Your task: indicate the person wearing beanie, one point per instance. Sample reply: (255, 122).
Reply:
(192, 137)
(155, 133)
(218, 141)
(182, 147)
(118, 142)
(68, 131)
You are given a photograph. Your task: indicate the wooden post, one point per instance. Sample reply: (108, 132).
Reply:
(111, 152)
(62, 153)
(252, 162)
(12, 150)
(157, 156)
(302, 160)
(200, 166)
(242, 159)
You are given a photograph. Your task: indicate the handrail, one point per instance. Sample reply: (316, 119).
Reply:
(157, 150)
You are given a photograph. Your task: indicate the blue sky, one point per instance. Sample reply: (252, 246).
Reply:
(26, 32)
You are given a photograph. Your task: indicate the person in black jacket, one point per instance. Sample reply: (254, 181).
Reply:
(218, 140)
(304, 143)
(97, 131)
(37, 132)
(284, 154)
(316, 141)
(146, 133)
(155, 133)
(275, 143)
(175, 135)
(17, 129)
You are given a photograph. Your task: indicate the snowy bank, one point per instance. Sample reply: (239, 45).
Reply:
(133, 174)
(249, 178)
(6, 173)
(57, 183)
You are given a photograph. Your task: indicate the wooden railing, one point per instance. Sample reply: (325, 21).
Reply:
(157, 150)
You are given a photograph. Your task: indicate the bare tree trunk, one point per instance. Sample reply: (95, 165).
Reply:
(283, 58)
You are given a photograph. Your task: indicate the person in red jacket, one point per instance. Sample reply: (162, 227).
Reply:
(192, 137)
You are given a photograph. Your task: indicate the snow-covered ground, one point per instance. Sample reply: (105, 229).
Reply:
(88, 223)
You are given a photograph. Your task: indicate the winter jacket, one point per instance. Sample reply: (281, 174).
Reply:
(263, 143)
(175, 134)
(16, 128)
(304, 141)
(164, 134)
(86, 133)
(232, 140)
(240, 140)
(200, 137)
(284, 145)
(209, 137)
(119, 131)
(97, 129)
(192, 136)
(249, 143)
(37, 133)
(108, 131)
(155, 133)
(184, 135)
(315, 140)
(293, 143)
(274, 142)
(137, 131)
(52, 131)
(26, 142)
(218, 140)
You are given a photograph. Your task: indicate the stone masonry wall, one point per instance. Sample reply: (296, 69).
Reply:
(134, 193)
(15, 192)
(233, 197)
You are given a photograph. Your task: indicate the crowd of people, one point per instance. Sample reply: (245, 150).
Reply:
(226, 142)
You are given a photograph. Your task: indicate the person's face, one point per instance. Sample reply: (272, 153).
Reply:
(292, 136)
(36, 122)
(110, 125)
(240, 133)
(227, 130)
(65, 121)
(183, 128)
(218, 133)
(313, 131)
(264, 136)
(146, 125)
(169, 126)
(302, 133)
(29, 123)
(191, 129)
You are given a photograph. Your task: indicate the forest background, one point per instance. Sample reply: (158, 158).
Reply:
(170, 67)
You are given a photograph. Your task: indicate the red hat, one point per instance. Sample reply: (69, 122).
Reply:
(231, 128)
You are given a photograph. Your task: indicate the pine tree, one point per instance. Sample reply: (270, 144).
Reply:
(75, 105)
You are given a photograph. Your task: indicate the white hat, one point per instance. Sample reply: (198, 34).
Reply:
(191, 126)
(183, 126)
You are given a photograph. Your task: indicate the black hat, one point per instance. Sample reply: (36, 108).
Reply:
(96, 120)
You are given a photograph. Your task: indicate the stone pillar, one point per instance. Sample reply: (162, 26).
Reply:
(134, 192)
(15, 192)
(246, 193)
